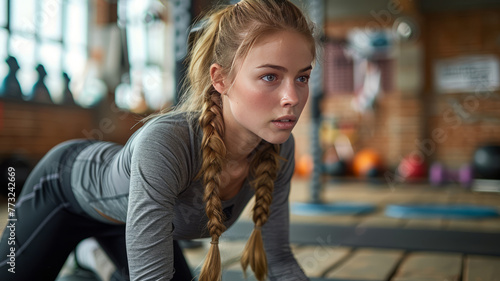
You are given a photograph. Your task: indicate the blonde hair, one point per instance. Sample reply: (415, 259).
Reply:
(225, 38)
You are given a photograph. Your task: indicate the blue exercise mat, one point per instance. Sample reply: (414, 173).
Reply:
(339, 208)
(440, 211)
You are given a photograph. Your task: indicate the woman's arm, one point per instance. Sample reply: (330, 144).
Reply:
(282, 264)
(158, 172)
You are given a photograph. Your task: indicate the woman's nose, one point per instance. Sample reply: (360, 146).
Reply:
(290, 96)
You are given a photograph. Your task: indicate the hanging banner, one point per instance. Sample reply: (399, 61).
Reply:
(467, 74)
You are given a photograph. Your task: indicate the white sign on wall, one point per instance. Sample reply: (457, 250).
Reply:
(467, 74)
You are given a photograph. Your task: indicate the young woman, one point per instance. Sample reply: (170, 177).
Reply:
(187, 173)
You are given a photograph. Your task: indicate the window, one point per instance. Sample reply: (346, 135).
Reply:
(3, 39)
(53, 33)
(149, 84)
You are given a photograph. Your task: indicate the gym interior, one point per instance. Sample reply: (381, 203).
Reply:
(397, 161)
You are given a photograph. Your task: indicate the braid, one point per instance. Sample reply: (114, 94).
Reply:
(214, 152)
(265, 166)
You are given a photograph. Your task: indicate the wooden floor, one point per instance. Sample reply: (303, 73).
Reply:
(374, 246)
(441, 255)
(345, 263)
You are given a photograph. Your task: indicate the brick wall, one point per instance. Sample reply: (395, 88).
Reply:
(468, 119)
(413, 119)
(32, 129)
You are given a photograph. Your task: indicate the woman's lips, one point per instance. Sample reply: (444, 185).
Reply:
(285, 122)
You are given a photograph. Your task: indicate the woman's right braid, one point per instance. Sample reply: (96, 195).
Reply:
(265, 167)
(214, 152)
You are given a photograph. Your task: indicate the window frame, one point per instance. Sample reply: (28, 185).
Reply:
(40, 41)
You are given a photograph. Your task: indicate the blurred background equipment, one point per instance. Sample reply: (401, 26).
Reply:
(367, 163)
(440, 175)
(412, 169)
(40, 92)
(486, 168)
(10, 87)
(486, 162)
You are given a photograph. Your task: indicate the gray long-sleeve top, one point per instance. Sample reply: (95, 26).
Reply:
(150, 184)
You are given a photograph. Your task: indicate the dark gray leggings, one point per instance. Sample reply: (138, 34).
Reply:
(50, 224)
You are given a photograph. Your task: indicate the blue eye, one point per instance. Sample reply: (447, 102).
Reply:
(269, 77)
(303, 79)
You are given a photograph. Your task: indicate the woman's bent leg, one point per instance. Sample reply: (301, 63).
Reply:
(42, 230)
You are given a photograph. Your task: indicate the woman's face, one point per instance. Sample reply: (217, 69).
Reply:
(269, 90)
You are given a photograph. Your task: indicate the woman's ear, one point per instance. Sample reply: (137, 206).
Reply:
(218, 78)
